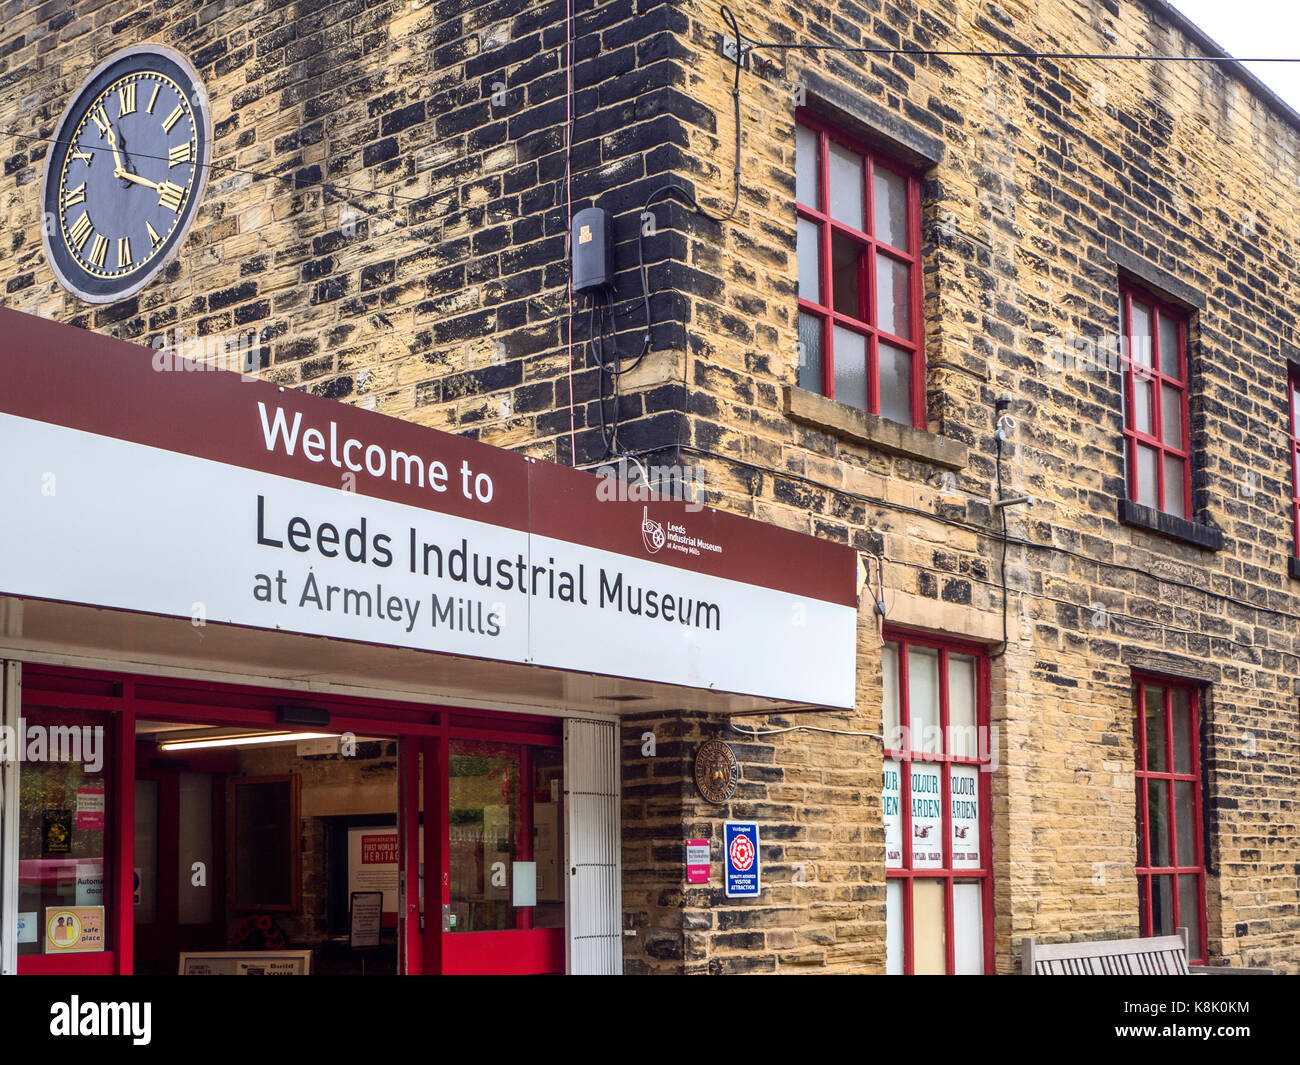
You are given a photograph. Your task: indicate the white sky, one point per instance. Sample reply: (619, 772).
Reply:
(1255, 28)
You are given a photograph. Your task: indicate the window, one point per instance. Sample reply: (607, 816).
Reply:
(1157, 439)
(1170, 848)
(935, 803)
(1293, 391)
(858, 244)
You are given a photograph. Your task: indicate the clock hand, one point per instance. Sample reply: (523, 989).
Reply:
(117, 159)
(120, 173)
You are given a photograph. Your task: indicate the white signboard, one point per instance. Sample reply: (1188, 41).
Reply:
(965, 817)
(927, 816)
(246, 963)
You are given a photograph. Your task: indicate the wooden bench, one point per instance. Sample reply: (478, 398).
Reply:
(1154, 956)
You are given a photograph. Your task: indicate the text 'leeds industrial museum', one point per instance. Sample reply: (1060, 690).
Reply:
(634, 486)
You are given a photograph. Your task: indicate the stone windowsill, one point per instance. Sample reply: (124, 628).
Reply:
(1189, 532)
(809, 408)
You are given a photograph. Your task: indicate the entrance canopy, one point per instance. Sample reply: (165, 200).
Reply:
(160, 515)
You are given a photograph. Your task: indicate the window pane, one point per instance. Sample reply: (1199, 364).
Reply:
(1158, 821)
(1171, 413)
(890, 206)
(895, 383)
(929, 928)
(962, 739)
(1142, 388)
(889, 694)
(1162, 906)
(806, 170)
(964, 784)
(1146, 477)
(923, 698)
(195, 901)
(64, 813)
(894, 927)
(1155, 711)
(1139, 337)
(1140, 805)
(1189, 912)
(1186, 810)
(1175, 497)
(968, 928)
(891, 813)
(1169, 361)
(846, 268)
(810, 352)
(810, 261)
(146, 851)
(1181, 711)
(850, 367)
(846, 180)
(892, 297)
(485, 844)
(927, 815)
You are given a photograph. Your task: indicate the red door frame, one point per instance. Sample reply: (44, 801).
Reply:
(421, 729)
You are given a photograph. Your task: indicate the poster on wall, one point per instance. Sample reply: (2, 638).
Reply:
(927, 816)
(90, 808)
(365, 919)
(74, 929)
(372, 863)
(56, 831)
(965, 817)
(892, 815)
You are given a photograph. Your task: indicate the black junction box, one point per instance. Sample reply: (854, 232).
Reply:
(593, 249)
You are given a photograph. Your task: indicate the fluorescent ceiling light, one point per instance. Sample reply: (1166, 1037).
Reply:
(244, 741)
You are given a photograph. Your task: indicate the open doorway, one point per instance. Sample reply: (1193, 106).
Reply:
(258, 847)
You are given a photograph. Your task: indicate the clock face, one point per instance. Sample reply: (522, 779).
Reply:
(126, 173)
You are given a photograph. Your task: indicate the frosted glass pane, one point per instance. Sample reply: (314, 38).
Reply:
(850, 368)
(890, 206)
(806, 166)
(846, 180)
(1146, 477)
(1155, 712)
(894, 927)
(1171, 412)
(1140, 335)
(963, 741)
(923, 698)
(964, 783)
(810, 265)
(1185, 810)
(1142, 388)
(1189, 912)
(1175, 500)
(891, 814)
(889, 693)
(1169, 361)
(1181, 713)
(895, 383)
(1162, 903)
(968, 929)
(810, 352)
(1158, 821)
(146, 851)
(929, 931)
(892, 297)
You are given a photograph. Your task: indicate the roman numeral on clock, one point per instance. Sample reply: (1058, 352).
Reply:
(154, 239)
(180, 154)
(72, 197)
(126, 99)
(172, 119)
(80, 230)
(99, 250)
(123, 252)
(153, 96)
(85, 157)
(170, 196)
(100, 117)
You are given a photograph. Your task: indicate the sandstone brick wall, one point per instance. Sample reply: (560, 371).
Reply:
(437, 292)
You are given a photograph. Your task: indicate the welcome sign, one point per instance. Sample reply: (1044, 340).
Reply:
(228, 501)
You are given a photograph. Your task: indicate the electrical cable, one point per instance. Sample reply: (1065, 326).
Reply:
(1002, 511)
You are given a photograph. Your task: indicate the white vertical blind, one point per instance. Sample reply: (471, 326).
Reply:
(593, 848)
(9, 703)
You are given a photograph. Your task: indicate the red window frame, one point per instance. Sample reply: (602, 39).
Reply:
(1293, 401)
(864, 323)
(1146, 871)
(1160, 374)
(906, 873)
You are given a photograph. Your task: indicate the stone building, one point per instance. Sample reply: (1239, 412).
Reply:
(965, 267)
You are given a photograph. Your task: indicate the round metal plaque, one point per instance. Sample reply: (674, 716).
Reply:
(716, 771)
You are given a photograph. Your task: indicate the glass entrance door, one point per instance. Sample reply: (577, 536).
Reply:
(502, 854)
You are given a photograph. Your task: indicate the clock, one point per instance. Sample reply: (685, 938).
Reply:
(126, 173)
